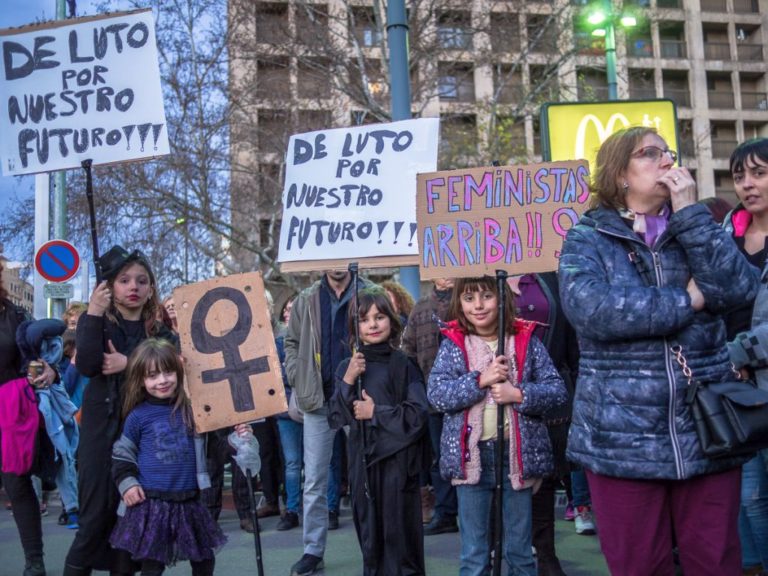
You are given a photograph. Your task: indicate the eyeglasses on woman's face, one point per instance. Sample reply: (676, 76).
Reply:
(655, 153)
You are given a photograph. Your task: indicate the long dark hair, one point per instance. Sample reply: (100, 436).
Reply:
(154, 354)
(480, 284)
(366, 298)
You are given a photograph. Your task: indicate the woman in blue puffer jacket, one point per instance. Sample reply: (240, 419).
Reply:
(645, 270)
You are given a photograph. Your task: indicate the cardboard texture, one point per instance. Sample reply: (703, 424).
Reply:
(232, 369)
(475, 221)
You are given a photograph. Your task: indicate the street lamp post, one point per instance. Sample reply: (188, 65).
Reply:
(603, 17)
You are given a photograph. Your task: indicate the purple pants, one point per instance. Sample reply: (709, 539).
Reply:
(636, 520)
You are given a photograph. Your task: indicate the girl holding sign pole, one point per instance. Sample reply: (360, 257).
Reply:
(158, 465)
(468, 382)
(121, 313)
(392, 415)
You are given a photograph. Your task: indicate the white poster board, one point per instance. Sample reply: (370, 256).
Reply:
(87, 88)
(351, 192)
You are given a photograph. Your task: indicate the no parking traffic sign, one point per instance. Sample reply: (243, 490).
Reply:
(57, 261)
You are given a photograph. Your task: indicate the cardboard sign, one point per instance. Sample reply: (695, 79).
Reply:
(350, 192)
(86, 88)
(231, 363)
(473, 222)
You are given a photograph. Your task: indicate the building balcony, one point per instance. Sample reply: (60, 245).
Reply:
(717, 50)
(721, 99)
(673, 49)
(642, 93)
(680, 96)
(713, 6)
(746, 6)
(749, 52)
(639, 48)
(754, 101)
(723, 148)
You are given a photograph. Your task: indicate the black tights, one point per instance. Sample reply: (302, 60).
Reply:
(155, 568)
(26, 513)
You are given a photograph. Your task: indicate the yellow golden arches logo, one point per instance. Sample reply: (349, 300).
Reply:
(603, 131)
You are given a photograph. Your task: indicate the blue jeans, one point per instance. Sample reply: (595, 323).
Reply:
(291, 439)
(475, 519)
(753, 514)
(580, 489)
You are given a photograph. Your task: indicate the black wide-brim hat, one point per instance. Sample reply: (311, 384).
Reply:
(117, 258)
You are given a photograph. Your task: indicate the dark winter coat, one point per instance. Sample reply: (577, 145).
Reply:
(629, 305)
(453, 389)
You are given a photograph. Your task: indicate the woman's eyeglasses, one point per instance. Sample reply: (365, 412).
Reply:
(654, 153)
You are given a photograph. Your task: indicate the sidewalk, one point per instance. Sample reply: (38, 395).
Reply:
(580, 555)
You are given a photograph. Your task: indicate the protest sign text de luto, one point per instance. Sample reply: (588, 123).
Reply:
(82, 88)
(353, 189)
(509, 217)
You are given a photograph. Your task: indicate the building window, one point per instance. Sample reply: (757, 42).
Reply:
(505, 32)
(456, 82)
(273, 79)
(273, 127)
(454, 31)
(312, 79)
(542, 34)
(271, 23)
(311, 24)
(364, 27)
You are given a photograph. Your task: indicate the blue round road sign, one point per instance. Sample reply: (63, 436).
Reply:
(57, 261)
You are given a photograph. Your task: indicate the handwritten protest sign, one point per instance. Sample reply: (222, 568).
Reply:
(87, 88)
(350, 193)
(476, 221)
(233, 372)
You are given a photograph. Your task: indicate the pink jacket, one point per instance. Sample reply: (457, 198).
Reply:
(19, 422)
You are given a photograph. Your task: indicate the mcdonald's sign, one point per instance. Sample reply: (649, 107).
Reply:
(575, 130)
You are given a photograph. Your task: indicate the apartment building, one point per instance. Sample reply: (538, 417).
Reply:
(485, 67)
(20, 292)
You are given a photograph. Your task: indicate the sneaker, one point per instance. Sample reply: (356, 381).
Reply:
(246, 524)
(62, 521)
(585, 524)
(441, 525)
(309, 564)
(34, 568)
(43, 509)
(569, 512)
(266, 510)
(73, 521)
(288, 521)
(333, 519)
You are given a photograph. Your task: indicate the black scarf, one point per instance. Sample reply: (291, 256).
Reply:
(396, 360)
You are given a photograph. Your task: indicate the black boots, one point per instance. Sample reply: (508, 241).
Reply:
(34, 566)
(70, 570)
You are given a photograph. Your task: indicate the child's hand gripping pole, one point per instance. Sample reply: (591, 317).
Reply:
(501, 288)
(249, 461)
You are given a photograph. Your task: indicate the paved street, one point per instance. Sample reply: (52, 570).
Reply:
(580, 555)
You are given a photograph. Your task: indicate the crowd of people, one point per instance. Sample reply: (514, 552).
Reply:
(570, 378)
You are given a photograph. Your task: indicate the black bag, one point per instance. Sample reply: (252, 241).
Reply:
(731, 417)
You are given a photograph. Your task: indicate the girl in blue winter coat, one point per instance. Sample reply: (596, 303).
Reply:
(468, 382)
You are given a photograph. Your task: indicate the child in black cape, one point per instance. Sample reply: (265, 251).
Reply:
(393, 415)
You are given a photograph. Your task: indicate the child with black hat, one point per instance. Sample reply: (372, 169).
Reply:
(121, 313)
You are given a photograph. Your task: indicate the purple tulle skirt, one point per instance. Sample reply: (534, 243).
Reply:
(168, 532)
